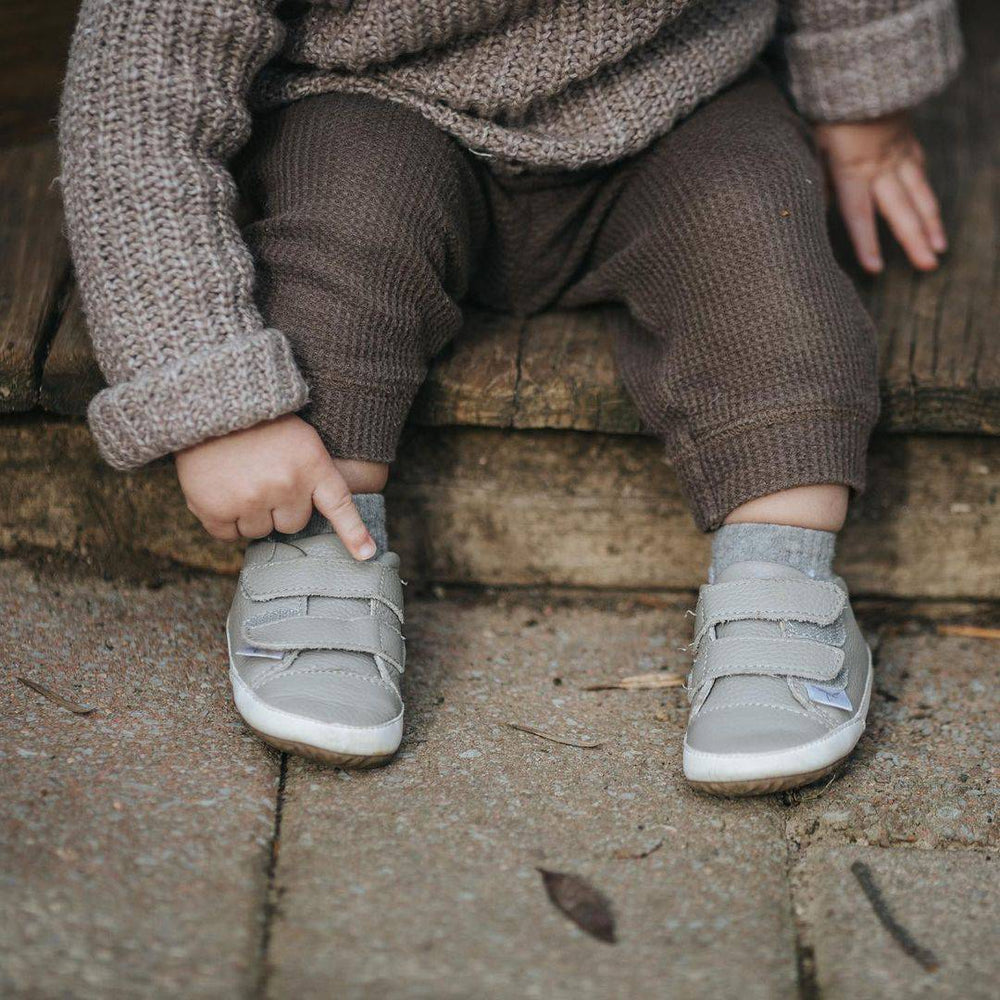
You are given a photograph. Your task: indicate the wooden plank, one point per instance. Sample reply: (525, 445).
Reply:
(568, 377)
(33, 47)
(33, 267)
(939, 364)
(474, 380)
(71, 377)
(548, 508)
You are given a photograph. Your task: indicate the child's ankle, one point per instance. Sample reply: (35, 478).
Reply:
(822, 507)
(361, 476)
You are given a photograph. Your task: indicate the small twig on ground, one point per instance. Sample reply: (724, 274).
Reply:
(640, 682)
(623, 854)
(924, 956)
(564, 740)
(70, 706)
(969, 631)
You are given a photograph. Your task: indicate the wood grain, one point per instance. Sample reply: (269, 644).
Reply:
(33, 268)
(71, 377)
(567, 375)
(33, 47)
(539, 508)
(938, 333)
(474, 381)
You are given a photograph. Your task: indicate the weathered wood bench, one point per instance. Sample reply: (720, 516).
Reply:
(622, 521)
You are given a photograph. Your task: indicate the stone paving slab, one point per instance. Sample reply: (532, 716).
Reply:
(946, 908)
(134, 840)
(420, 880)
(926, 771)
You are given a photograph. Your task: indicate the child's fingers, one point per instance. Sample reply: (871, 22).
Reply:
(901, 214)
(292, 517)
(333, 500)
(915, 181)
(225, 531)
(858, 210)
(256, 525)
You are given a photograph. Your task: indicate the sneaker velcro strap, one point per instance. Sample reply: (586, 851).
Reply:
(775, 657)
(318, 578)
(350, 635)
(778, 600)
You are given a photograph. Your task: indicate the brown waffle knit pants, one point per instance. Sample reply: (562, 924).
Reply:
(748, 353)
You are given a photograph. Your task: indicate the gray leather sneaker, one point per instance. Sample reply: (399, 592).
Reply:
(315, 650)
(781, 681)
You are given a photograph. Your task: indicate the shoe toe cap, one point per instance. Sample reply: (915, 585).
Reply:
(333, 697)
(751, 729)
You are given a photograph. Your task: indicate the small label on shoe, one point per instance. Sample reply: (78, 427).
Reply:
(828, 696)
(266, 654)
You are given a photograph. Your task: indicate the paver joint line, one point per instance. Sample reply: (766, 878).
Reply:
(270, 889)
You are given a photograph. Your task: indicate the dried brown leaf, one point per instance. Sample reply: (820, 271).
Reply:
(564, 740)
(640, 682)
(969, 631)
(72, 706)
(588, 908)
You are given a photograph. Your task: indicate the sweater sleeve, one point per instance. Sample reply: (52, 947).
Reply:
(153, 107)
(856, 59)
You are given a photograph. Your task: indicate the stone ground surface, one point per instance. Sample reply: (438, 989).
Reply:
(153, 848)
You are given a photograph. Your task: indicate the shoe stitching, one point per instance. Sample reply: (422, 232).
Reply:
(305, 671)
(279, 668)
(755, 704)
(265, 596)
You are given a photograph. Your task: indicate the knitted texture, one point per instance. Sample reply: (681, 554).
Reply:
(748, 350)
(157, 99)
(807, 550)
(847, 61)
(371, 508)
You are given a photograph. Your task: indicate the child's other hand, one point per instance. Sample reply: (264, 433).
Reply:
(879, 164)
(269, 477)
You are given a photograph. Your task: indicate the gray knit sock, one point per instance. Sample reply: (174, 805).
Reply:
(803, 548)
(371, 507)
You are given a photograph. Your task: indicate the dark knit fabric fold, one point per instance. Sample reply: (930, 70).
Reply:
(748, 350)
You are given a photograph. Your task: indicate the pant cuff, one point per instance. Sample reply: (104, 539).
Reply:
(356, 422)
(721, 472)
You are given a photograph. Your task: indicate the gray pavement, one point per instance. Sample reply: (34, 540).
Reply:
(153, 848)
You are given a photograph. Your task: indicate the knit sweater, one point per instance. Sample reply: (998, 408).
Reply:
(159, 94)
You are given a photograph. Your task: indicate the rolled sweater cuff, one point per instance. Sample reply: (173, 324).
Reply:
(887, 65)
(211, 392)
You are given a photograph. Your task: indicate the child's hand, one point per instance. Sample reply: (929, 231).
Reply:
(880, 163)
(269, 477)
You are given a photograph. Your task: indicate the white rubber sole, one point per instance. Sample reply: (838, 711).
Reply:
(755, 773)
(328, 742)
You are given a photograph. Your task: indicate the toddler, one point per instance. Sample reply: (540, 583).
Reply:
(404, 158)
